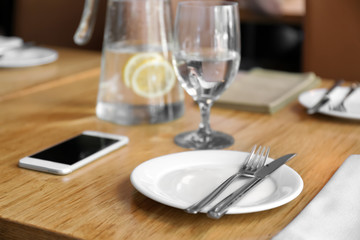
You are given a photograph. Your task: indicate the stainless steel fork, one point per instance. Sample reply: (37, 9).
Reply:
(341, 107)
(253, 162)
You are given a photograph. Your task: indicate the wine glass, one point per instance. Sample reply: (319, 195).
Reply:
(206, 58)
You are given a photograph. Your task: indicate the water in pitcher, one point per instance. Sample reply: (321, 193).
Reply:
(138, 85)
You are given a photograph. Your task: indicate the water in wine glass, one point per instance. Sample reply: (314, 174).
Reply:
(206, 76)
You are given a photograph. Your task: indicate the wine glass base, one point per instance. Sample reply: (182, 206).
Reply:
(191, 140)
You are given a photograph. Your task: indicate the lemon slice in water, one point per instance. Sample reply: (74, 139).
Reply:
(135, 62)
(153, 78)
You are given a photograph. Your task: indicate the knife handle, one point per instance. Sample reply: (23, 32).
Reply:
(222, 207)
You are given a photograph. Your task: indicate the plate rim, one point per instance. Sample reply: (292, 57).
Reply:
(53, 56)
(248, 209)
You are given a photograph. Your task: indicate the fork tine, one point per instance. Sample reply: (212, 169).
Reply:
(250, 156)
(261, 157)
(264, 157)
(254, 163)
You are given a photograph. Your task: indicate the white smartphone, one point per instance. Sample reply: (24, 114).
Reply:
(71, 154)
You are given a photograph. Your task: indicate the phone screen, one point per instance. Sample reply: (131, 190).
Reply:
(75, 149)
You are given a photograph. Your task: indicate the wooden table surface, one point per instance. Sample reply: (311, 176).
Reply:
(99, 202)
(69, 63)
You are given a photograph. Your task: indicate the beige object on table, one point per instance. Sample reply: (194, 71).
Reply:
(266, 91)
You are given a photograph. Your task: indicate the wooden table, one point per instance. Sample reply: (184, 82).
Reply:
(99, 202)
(70, 64)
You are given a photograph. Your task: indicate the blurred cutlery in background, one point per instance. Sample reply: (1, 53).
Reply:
(324, 99)
(341, 106)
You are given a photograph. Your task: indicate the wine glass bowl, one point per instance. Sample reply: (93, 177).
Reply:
(206, 58)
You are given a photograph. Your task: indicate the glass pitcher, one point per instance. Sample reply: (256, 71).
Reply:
(137, 83)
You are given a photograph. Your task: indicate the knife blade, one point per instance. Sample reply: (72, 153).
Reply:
(324, 98)
(222, 207)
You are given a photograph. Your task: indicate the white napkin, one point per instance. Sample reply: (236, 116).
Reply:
(334, 213)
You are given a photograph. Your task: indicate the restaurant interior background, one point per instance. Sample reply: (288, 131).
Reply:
(321, 36)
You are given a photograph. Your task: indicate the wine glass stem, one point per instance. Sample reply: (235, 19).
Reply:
(204, 126)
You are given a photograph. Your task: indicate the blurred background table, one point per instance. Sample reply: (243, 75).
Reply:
(99, 202)
(70, 62)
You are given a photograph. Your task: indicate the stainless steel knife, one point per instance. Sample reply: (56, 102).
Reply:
(222, 207)
(324, 99)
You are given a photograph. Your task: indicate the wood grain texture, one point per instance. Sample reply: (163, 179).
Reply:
(99, 202)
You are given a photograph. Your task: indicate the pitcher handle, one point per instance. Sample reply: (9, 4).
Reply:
(87, 23)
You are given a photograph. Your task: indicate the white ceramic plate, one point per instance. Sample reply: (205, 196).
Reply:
(352, 104)
(181, 179)
(9, 42)
(27, 57)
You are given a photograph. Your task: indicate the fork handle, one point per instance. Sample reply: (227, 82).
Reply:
(352, 89)
(222, 207)
(209, 198)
